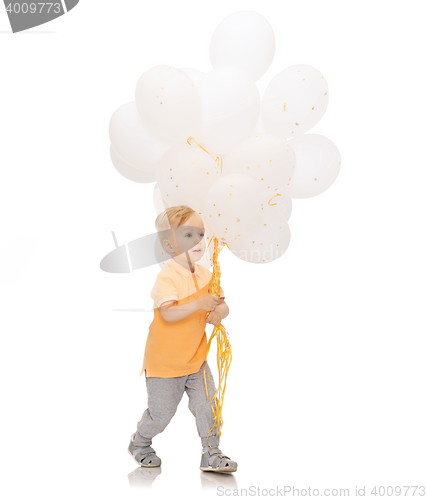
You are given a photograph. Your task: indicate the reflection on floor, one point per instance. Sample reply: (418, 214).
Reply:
(143, 477)
(211, 480)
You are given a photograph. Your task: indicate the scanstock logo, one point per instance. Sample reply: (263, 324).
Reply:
(25, 14)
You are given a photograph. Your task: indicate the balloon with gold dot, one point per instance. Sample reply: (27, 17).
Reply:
(267, 242)
(233, 205)
(317, 167)
(184, 175)
(280, 203)
(266, 158)
(294, 101)
(168, 102)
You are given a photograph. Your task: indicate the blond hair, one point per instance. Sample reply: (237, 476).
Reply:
(173, 216)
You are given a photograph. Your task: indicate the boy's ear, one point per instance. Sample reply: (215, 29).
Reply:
(167, 246)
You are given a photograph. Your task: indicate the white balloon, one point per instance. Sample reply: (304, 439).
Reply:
(230, 108)
(284, 207)
(159, 203)
(233, 206)
(195, 74)
(318, 163)
(184, 175)
(266, 158)
(168, 102)
(259, 127)
(282, 203)
(243, 39)
(131, 173)
(132, 141)
(294, 101)
(267, 243)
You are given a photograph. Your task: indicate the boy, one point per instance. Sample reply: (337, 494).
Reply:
(174, 359)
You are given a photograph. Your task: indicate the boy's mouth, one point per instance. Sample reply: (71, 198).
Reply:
(196, 250)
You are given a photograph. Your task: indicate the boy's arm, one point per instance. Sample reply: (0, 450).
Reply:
(171, 313)
(222, 308)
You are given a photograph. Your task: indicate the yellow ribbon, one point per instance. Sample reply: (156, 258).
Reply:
(224, 355)
(217, 158)
(271, 204)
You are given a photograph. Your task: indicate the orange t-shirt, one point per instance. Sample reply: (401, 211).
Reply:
(177, 348)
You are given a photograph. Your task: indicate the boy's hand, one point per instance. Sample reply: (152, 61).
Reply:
(214, 318)
(208, 302)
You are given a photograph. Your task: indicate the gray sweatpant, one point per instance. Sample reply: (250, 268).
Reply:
(164, 395)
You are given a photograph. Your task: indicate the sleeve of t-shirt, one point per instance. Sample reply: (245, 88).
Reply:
(163, 290)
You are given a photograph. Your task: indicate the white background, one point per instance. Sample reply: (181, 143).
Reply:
(327, 386)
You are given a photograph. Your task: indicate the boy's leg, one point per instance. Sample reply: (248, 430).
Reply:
(201, 408)
(164, 395)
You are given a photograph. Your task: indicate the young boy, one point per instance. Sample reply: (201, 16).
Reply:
(174, 359)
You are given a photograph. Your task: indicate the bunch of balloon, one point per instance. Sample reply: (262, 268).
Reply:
(211, 142)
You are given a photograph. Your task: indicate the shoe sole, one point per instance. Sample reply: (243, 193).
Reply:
(143, 465)
(219, 469)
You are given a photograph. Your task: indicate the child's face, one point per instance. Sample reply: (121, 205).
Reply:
(193, 230)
